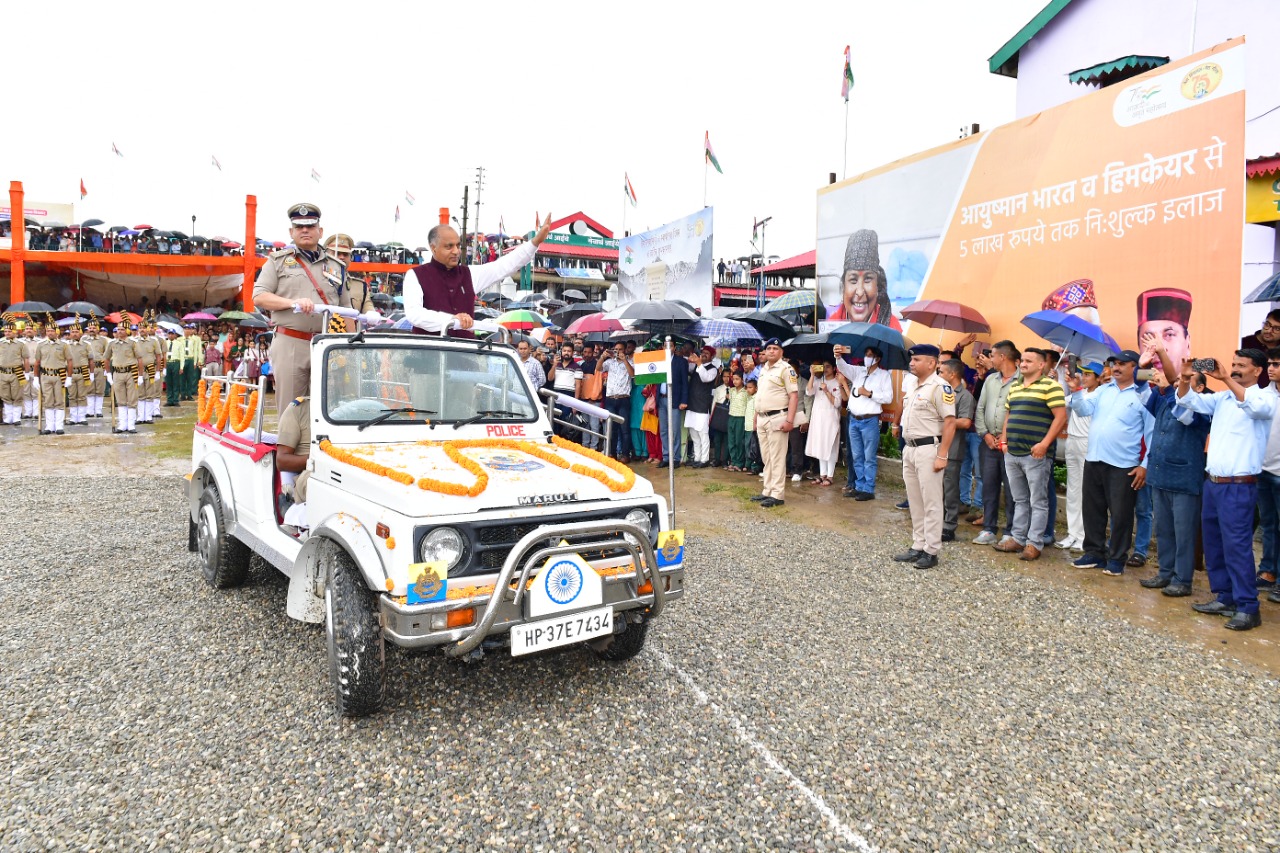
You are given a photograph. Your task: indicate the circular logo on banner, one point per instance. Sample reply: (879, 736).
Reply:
(564, 582)
(510, 462)
(1201, 80)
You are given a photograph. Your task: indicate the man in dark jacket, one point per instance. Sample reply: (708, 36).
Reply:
(1175, 472)
(669, 433)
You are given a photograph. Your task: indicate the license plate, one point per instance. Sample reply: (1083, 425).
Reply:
(561, 631)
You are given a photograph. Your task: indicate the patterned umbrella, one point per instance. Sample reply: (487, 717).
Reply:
(803, 299)
(593, 323)
(941, 314)
(521, 319)
(725, 330)
(120, 316)
(235, 315)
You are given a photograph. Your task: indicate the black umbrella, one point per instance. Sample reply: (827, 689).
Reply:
(575, 294)
(177, 235)
(384, 301)
(656, 310)
(768, 325)
(808, 347)
(212, 309)
(32, 308)
(858, 336)
(252, 323)
(82, 308)
(552, 304)
(565, 316)
(89, 223)
(487, 312)
(364, 244)
(198, 239)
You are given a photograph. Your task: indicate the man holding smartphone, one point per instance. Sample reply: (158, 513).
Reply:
(565, 377)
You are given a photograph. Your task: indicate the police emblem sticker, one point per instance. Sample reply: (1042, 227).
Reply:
(290, 261)
(670, 550)
(566, 582)
(948, 393)
(430, 582)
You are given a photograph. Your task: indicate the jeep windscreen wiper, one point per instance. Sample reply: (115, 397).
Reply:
(389, 413)
(488, 413)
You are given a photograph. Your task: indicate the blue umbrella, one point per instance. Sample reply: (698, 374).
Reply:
(1268, 291)
(724, 330)
(859, 336)
(1074, 334)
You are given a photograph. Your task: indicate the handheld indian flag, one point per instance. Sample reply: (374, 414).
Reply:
(628, 189)
(651, 367)
(711, 155)
(847, 82)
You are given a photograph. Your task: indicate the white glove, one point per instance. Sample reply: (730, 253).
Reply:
(35, 382)
(29, 376)
(66, 383)
(139, 381)
(111, 377)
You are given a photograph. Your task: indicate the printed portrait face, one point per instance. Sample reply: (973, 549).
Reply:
(860, 293)
(1177, 341)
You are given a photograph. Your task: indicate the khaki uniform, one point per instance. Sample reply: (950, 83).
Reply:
(283, 275)
(13, 359)
(295, 431)
(152, 353)
(775, 385)
(97, 345)
(122, 359)
(924, 413)
(30, 391)
(53, 357)
(78, 393)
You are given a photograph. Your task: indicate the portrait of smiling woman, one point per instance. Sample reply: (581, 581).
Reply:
(864, 290)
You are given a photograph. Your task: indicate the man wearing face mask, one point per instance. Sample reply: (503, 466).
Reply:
(870, 389)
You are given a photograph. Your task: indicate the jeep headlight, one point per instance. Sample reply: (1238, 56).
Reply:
(640, 519)
(444, 545)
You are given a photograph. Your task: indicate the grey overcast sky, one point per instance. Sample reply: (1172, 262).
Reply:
(555, 100)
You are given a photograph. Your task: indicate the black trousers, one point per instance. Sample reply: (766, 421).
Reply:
(1107, 492)
(994, 480)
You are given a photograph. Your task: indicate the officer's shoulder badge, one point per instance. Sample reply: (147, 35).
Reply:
(948, 394)
(791, 373)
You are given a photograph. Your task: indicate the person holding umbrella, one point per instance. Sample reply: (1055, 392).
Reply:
(870, 390)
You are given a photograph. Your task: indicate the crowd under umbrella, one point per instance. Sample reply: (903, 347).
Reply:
(82, 308)
(1074, 334)
(891, 343)
(943, 314)
(520, 319)
(735, 331)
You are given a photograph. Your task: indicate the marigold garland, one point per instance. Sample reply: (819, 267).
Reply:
(224, 412)
(365, 464)
(207, 403)
(242, 417)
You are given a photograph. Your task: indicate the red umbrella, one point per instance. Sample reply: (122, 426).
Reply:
(941, 314)
(116, 317)
(231, 244)
(143, 227)
(593, 323)
(279, 245)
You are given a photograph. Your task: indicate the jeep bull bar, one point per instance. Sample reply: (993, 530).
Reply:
(403, 623)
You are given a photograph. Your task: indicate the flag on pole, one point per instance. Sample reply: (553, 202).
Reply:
(650, 367)
(115, 150)
(502, 226)
(216, 164)
(630, 190)
(408, 196)
(83, 192)
(397, 213)
(711, 155)
(847, 82)
(315, 176)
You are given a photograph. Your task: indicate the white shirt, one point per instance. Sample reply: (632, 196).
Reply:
(482, 277)
(878, 382)
(1271, 458)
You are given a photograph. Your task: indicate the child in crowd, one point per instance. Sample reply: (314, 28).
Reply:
(738, 396)
(755, 462)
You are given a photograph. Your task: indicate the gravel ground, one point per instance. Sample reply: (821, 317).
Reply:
(869, 705)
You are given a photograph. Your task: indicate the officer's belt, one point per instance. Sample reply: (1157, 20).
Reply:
(44, 372)
(774, 412)
(128, 368)
(13, 370)
(294, 333)
(922, 442)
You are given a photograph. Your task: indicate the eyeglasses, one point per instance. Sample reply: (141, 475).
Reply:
(1270, 327)
(1273, 364)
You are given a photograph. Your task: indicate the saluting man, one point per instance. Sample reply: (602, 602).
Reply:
(776, 399)
(124, 362)
(52, 363)
(928, 425)
(97, 345)
(13, 367)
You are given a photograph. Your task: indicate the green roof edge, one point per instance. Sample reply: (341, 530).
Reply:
(1005, 60)
(1131, 61)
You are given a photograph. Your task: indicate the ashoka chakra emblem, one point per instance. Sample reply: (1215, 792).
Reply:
(564, 582)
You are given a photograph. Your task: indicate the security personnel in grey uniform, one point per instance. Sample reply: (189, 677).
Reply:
(295, 285)
(928, 425)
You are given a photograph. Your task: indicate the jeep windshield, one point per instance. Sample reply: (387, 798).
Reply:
(423, 385)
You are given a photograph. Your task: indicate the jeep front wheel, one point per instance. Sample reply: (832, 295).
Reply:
(357, 654)
(626, 645)
(224, 559)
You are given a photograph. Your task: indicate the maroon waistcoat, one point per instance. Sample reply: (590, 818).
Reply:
(447, 290)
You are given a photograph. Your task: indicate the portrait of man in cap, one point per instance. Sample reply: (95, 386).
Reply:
(1166, 313)
(864, 288)
(1075, 297)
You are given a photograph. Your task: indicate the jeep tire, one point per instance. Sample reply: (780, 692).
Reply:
(626, 645)
(357, 653)
(224, 559)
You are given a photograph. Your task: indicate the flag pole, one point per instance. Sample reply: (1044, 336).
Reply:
(671, 456)
(705, 161)
(845, 172)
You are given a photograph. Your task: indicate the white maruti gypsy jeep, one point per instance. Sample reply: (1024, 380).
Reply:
(440, 512)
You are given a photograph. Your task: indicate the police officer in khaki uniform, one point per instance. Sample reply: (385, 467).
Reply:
(776, 397)
(97, 344)
(13, 369)
(80, 374)
(928, 425)
(124, 362)
(52, 361)
(31, 391)
(152, 361)
(295, 285)
(293, 444)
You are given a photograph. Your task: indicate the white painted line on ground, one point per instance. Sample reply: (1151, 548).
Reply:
(744, 734)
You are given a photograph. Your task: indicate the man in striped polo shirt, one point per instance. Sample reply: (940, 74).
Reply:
(1036, 412)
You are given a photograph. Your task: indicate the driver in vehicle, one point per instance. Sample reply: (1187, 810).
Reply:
(293, 446)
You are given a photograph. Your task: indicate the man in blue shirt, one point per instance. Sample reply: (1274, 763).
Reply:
(1237, 441)
(1114, 465)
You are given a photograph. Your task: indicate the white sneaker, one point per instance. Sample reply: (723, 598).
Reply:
(795, 478)
(1065, 543)
(1078, 545)
(986, 537)
(760, 475)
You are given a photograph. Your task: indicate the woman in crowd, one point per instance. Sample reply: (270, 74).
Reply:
(828, 389)
(720, 402)
(798, 438)
(212, 355)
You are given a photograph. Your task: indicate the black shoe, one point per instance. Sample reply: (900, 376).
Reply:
(132, 431)
(1214, 608)
(948, 536)
(903, 505)
(771, 502)
(1244, 621)
(864, 496)
(926, 561)
(1156, 582)
(60, 432)
(116, 431)
(46, 432)
(664, 464)
(759, 498)
(908, 556)
(1176, 590)
(1136, 561)
(1275, 595)
(157, 416)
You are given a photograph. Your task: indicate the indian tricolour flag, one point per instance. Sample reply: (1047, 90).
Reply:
(651, 367)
